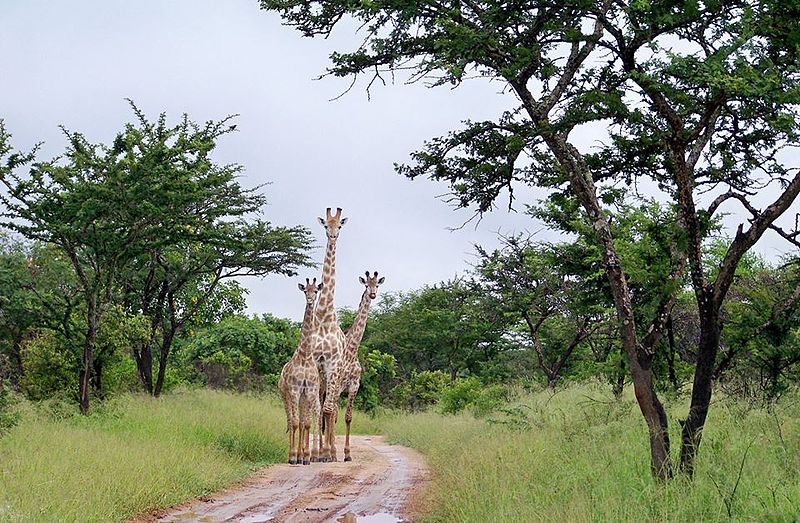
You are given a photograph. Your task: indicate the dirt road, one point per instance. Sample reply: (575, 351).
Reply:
(382, 484)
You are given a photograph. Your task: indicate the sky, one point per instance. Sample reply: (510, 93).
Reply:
(74, 63)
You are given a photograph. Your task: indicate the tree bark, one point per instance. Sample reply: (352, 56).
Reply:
(166, 345)
(144, 365)
(97, 379)
(710, 331)
(639, 358)
(88, 349)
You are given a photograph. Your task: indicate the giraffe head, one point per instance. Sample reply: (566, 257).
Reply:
(332, 222)
(310, 289)
(372, 283)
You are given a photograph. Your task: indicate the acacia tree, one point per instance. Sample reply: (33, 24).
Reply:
(442, 327)
(154, 188)
(527, 281)
(569, 63)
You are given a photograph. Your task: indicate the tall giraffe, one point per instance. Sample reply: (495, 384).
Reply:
(329, 340)
(299, 385)
(351, 379)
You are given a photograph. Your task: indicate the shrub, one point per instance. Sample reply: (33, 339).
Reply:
(8, 418)
(460, 394)
(473, 394)
(421, 390)
(240, 352)
(377, 373)
(50, 367)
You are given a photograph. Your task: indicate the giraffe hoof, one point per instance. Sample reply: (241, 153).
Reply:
(348, 458)
(306, 462)
(292, 462)
(314, 460)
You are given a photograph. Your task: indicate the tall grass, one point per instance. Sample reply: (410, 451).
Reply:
(584, 457)
(133, 455)
(579, 455)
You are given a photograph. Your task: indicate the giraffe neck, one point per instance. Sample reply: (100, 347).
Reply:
(356, 332)
(306, 331)
(326, 311)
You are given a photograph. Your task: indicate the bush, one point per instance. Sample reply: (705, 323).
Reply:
(473, 394)
(50, 367)
(422, 390)
(459, 395)
(8, 418)
(377, 373)
(240, 352)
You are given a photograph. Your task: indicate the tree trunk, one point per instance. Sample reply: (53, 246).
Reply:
(88, 349)
(163, 356)
(144, 366)
(16, 355)
(673, 378)
(97, 379)
(710, 331)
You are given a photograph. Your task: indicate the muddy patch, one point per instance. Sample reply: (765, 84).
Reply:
(379, 486)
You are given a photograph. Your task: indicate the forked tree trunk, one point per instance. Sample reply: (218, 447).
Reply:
(710, 330)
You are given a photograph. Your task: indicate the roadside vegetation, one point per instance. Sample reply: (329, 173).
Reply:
(572, 455)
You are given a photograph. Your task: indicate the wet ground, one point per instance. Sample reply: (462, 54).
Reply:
(381, 485)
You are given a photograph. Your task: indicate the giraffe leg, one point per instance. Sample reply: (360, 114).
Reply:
(330, 410)
(317, 438)
(293, 440)
(348, 417)
(305, 427)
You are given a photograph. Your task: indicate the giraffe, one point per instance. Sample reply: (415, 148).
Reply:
(299, 385)
(351, 379)
(329, 340)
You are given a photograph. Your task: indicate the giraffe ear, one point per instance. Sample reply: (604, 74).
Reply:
(300, 286)
(381, 280)
(362, 280)
(321, 221)
(343, 221)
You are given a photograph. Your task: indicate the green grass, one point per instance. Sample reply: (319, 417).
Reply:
(583, 457)
(133, 455)
(587, 460)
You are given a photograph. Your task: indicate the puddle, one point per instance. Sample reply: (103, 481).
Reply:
(192, 517)
(256, 518)
(380, 517)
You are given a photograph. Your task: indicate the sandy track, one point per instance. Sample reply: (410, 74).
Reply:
(381, 484)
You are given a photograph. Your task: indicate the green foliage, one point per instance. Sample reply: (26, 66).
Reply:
(50, 366)
(471, 393)
(445, 327)
(421, 390)
(134, 454)
(149, 222)
(8, 417)
(586, 447)
(378, 371)
(227, 353)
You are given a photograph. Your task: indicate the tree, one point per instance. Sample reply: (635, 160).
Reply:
(527, 280)
(154, 194)
(225, 351)
(444, 327)
(715, 107)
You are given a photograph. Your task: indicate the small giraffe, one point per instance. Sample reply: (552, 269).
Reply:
(299, 386)
(352, 368)
(329, 340)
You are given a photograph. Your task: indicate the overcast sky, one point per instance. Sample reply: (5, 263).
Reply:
(73, 63)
